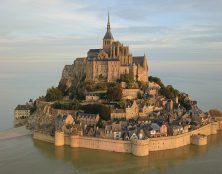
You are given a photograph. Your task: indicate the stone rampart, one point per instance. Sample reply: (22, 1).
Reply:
(199, 140)
(59, 139)
(140, 148)
(219, 124)
(137, 148)
(101, 144)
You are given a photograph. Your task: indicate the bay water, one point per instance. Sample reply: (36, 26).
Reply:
(20, 81)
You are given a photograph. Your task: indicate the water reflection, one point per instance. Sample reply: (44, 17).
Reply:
(96, 161)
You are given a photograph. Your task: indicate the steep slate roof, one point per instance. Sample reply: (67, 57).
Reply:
(94, 50)
(108, 35)
(139, 60)
(22, 107)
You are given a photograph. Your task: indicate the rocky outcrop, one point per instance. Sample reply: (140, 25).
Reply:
(42, 118)
(73, 74)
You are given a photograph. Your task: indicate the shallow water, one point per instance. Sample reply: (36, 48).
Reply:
(21, 81)
(33, 156)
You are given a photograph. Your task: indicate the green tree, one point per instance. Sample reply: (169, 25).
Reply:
(156, 80)
(126, 78)
(74, 105)
(215, 113)
(121, 104)
(169, 92)
(53, 94)
(114, 93)
(77, 93)
(102, 110)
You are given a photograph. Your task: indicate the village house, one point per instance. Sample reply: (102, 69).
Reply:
(91, 96)
(108, 131)
(154, 130)
(65, 123)
(131, 93)
(22, 112)
(163, 130)
(113, 130)
(141, 134)
(118, 114)
(117, 135)
(153, 88)
(175, 130)
(134, 137)
(132, 110)
(186, 128)
(145, 109)
(87, 119)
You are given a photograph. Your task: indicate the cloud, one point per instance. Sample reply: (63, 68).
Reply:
(55, 29)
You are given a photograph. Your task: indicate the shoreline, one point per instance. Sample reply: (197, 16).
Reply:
(14, 132)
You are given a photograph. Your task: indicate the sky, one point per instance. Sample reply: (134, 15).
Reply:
(61, 30)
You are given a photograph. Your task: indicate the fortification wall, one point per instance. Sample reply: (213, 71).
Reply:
(138, 148)
(102, 144)
(199, 140)
(164, 143)
(219, 125)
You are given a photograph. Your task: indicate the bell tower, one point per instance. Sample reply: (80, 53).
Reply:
(108, 38)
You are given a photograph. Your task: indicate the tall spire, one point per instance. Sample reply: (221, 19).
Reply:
(108, 23)
(108, 34)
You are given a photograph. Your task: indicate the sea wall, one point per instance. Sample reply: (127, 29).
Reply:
(137, 148)
(102, 144)
(219, 121)
(172, 142)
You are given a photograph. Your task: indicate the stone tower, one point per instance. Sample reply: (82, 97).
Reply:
(108, 38)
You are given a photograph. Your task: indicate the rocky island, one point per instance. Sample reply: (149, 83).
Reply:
(108, 101)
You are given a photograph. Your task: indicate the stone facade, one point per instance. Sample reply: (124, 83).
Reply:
(22, 112)
(132, 110)
(105, 64)
(92, 97)
(131, 93)
(113, 60)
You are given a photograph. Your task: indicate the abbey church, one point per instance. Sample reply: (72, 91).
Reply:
(114, 59)
(105, 64)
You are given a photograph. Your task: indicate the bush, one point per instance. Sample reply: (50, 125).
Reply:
(102, 110)
(126, 78)
(169, 92)
(121, 104)
(53, 94)
(156, 80)
(215, 113)
(114, 93)
(77, 93)
(74, 105)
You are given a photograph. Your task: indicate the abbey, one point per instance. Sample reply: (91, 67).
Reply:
(113, 60)
(106, 64)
